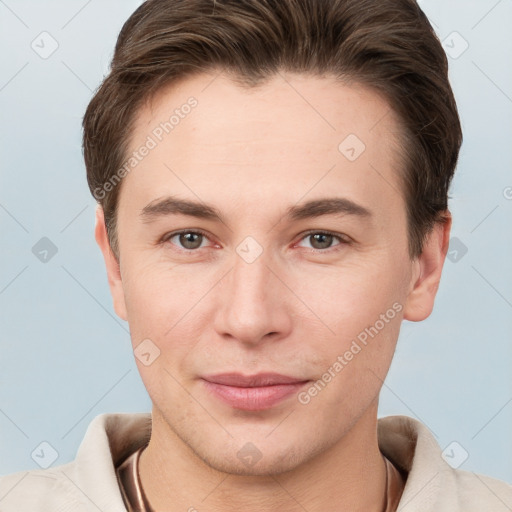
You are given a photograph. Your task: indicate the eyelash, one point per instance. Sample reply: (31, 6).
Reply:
(342, 239)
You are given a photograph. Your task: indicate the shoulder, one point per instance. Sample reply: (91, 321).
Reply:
(38, 490)
(432, 484)
(87, 483)
(477, 492)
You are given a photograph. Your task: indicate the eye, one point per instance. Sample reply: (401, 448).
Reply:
(323, 240)
(190, 240)
(187, 240)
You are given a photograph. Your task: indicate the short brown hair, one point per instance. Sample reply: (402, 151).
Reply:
(387, 45)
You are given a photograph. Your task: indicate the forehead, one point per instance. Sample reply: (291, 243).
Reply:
(327, 108)
(285, 134)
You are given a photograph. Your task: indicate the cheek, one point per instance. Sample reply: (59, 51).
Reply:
(152, 288)
(351, 297)
(352, 367)
(361, 312)
(161, 315)
(165, 303)
(172, 304)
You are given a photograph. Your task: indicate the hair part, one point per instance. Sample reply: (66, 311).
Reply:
(386, 45)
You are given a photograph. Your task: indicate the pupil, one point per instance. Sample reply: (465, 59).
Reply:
(319, 237)
(187, 240)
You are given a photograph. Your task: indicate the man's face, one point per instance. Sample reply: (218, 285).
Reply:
(261, 290)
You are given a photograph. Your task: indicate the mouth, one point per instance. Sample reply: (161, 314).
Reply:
(252, 392)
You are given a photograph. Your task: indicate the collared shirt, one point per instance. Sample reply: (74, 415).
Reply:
(89, 483)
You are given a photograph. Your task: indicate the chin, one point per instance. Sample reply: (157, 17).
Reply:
(242, 464)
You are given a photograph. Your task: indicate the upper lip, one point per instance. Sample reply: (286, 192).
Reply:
(251, 381)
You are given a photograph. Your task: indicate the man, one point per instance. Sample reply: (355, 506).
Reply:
(272, 181)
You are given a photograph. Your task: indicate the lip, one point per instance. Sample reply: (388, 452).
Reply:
(252, 392)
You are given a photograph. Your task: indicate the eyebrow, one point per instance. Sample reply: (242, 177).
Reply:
(316, 208)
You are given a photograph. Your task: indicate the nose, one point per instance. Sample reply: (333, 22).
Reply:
(253, 306)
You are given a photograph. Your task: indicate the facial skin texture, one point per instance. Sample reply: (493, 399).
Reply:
(252, 154)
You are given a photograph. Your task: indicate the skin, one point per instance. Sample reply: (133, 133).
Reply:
(293, 310)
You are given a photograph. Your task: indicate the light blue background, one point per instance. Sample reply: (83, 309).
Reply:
(64, 355)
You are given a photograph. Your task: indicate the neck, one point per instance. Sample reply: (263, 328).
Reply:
(350, 475)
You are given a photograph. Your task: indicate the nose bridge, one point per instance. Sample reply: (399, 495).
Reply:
(251, 305)
(249, 283)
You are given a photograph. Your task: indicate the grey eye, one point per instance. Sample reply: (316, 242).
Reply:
(321, 240)
(190, 240)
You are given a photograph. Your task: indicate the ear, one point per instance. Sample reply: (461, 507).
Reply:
(112, 265)
(427, 272)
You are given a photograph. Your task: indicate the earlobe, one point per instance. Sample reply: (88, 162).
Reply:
(427, 275)
(112, 265)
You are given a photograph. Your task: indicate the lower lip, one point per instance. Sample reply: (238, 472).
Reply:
(253, 399)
